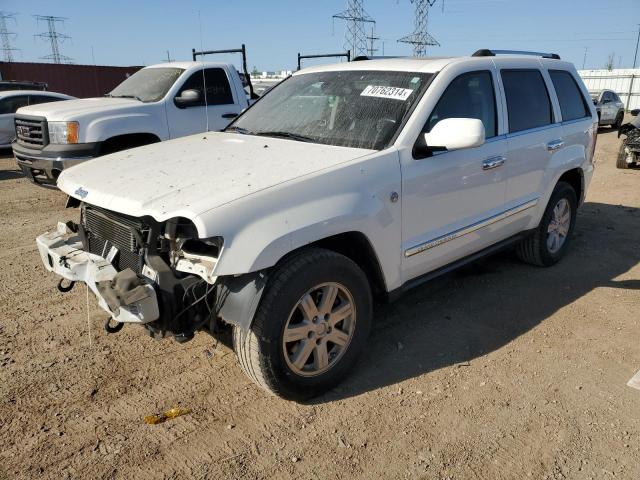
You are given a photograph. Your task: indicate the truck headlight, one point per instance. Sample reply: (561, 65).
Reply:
(63, 132)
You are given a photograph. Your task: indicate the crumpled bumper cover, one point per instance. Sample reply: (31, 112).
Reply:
(61, 252)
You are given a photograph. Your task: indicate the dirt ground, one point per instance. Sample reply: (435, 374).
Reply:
(500, 370)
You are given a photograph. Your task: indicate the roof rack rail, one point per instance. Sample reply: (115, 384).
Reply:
(346, 54)
(485, 52)
(360, 58)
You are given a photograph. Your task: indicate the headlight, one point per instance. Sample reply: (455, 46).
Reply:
(63, 132)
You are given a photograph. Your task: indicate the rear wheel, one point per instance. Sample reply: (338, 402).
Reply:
(549, 242)
(311, 325)
(621, 160)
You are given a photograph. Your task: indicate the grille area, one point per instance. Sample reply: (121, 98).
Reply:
(106, 230)
(31, 131)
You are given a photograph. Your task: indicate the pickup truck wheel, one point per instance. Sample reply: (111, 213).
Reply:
(312, 322)
(621, 160)
(549, 242)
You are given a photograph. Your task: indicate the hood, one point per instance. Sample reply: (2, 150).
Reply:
(187, 176)
(73, 109)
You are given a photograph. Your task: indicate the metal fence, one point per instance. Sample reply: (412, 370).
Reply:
(625, 82)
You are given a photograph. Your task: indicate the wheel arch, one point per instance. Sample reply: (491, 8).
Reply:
(127, 140)
(575, 178)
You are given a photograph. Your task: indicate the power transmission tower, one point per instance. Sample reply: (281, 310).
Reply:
(420, 38)
(372, 39)
(54, 38)
(355, 38)
(6, 36)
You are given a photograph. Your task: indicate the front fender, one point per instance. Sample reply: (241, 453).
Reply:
(150, 120)
(260, 229)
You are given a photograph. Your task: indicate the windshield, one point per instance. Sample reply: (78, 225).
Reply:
(361, 109)
(148, 84)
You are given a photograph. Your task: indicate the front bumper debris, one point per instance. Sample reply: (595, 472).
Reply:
(62, 253)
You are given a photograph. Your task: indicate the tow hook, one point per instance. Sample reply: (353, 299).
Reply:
(112, 329)
(65, 288)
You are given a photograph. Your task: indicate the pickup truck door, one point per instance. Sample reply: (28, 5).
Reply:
(452, 200)
(187, 120)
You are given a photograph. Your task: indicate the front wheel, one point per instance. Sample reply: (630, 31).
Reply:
(312, 323)
(549, 242)
(621, 160)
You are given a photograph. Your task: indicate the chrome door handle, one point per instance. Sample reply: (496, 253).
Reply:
(493, 162)
(554, 145)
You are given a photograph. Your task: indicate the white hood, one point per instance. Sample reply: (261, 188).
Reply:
(74, 109)
(190, 175)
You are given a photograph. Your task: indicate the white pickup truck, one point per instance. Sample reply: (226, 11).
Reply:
(156, 103)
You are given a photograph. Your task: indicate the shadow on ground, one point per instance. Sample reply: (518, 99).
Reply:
(486, 305)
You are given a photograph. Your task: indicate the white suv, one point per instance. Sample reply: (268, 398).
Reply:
(342, 183)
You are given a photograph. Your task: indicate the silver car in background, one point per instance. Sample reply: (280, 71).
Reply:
(609, 107)
(12, 100)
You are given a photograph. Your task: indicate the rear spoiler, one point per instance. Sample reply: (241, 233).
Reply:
(241, 50)
(346, 54)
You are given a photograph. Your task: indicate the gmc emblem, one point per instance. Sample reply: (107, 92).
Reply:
(23, 131)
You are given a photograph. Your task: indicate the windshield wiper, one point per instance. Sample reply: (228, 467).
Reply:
(290, 135)
(241, 130)
(124, 96)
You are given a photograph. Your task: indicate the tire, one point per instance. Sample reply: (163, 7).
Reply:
(621, 160)
(535, 249)
(269, 361)
(618, 122)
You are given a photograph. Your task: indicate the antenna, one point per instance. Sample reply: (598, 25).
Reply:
(420, 38)
(54, 38)
(6, 36)
(355, 38)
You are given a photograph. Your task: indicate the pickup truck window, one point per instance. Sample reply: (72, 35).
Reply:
(11, 104)
(148, 84)
(471, 95)
(218, 90)
(361, 109)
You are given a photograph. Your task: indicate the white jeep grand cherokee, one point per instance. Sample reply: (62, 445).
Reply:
(343, 183)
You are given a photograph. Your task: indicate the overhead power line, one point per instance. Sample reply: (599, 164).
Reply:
(420, 38)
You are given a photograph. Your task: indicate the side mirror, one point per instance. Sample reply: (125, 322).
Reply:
(635, 112)
(188, 98)
(455, 134)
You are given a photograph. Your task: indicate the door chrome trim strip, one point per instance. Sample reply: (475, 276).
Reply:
(470, 228)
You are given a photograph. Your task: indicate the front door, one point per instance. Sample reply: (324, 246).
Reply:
(450, 199)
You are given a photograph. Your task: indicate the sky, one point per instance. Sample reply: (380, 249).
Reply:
(140, 32)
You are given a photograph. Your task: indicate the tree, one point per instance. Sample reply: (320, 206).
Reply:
(255, 71)
(610, 60)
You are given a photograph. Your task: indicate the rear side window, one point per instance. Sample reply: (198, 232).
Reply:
(11, 104)
(572, 103)
(528, 103)
(470, 95)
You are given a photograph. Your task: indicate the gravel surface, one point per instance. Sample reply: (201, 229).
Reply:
(500, 370)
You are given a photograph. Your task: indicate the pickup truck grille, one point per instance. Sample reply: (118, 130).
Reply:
(31, 131)
(107, 229)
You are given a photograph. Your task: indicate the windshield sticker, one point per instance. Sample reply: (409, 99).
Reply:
(394, 93)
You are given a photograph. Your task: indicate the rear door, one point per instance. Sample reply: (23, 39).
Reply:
(534, 135)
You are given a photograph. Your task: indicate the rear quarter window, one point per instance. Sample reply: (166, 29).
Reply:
(528, 103)
(572, 103)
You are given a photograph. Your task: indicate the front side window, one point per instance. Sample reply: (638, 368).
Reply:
(13, 103)
(148, 84)
(528, 103)
(607, 98)
(572, 103)
(471, 95)
(360, 109)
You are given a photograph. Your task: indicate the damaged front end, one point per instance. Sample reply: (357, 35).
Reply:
(157, 274)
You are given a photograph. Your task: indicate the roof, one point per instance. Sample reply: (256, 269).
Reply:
(13, 93)
(426, 64)
(187, 65)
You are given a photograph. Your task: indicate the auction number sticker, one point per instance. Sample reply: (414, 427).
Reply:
(394, 93)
